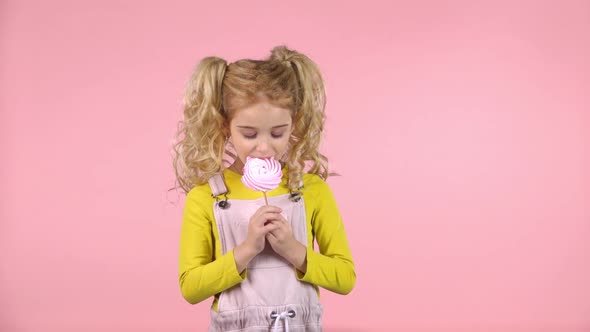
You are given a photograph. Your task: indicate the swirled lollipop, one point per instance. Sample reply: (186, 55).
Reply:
(262, 174)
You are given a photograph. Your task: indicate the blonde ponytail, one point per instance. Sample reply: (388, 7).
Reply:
(309, 117)
(200, 143)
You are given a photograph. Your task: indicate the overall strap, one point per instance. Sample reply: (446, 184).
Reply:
(296, 196)
(217, 185)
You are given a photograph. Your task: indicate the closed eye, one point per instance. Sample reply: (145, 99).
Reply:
(253, 136)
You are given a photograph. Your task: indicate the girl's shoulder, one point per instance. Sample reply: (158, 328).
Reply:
(310, 179)
(315, 185)
(200, 193)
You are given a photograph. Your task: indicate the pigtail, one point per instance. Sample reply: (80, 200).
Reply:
(200, 139)
(309, 117)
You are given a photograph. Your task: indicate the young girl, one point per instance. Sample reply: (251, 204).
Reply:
(258, 260)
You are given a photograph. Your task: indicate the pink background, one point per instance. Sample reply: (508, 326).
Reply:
(461, 130)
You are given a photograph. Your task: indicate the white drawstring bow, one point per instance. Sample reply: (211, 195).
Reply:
(285, 315)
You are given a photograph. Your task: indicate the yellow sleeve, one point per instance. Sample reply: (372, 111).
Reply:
(332, 268)
(200, 275)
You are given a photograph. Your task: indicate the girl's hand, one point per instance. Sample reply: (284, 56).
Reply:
(283, 242)
(260, 224)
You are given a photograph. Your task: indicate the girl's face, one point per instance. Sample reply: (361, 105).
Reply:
(260, 131)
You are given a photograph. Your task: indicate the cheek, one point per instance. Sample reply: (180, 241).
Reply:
(240, 151)
(241, 144)
(283, 144)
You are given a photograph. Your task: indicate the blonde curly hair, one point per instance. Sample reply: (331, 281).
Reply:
(216, 89)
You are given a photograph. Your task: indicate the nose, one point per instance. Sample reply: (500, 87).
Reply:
(263, 146)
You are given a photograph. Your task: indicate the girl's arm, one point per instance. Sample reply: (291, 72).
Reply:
(199, 275)
(332, 268)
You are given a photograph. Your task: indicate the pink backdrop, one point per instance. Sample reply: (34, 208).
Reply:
(461, 130)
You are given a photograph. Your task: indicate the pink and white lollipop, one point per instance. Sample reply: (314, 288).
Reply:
(262, 174)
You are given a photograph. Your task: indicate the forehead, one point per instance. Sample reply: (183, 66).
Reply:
(261, 115)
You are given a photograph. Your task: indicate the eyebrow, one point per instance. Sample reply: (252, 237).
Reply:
(249, 127)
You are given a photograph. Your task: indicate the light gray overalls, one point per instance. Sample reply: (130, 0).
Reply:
(270, 298)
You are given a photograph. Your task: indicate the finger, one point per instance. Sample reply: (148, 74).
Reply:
(270, 228)
(278, 233)
(263, 219)
(270, 208)
(271, 237)
(271, 216)
(279, 224)
(283, 219)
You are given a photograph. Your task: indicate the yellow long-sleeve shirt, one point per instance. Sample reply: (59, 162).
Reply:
(204, 271)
